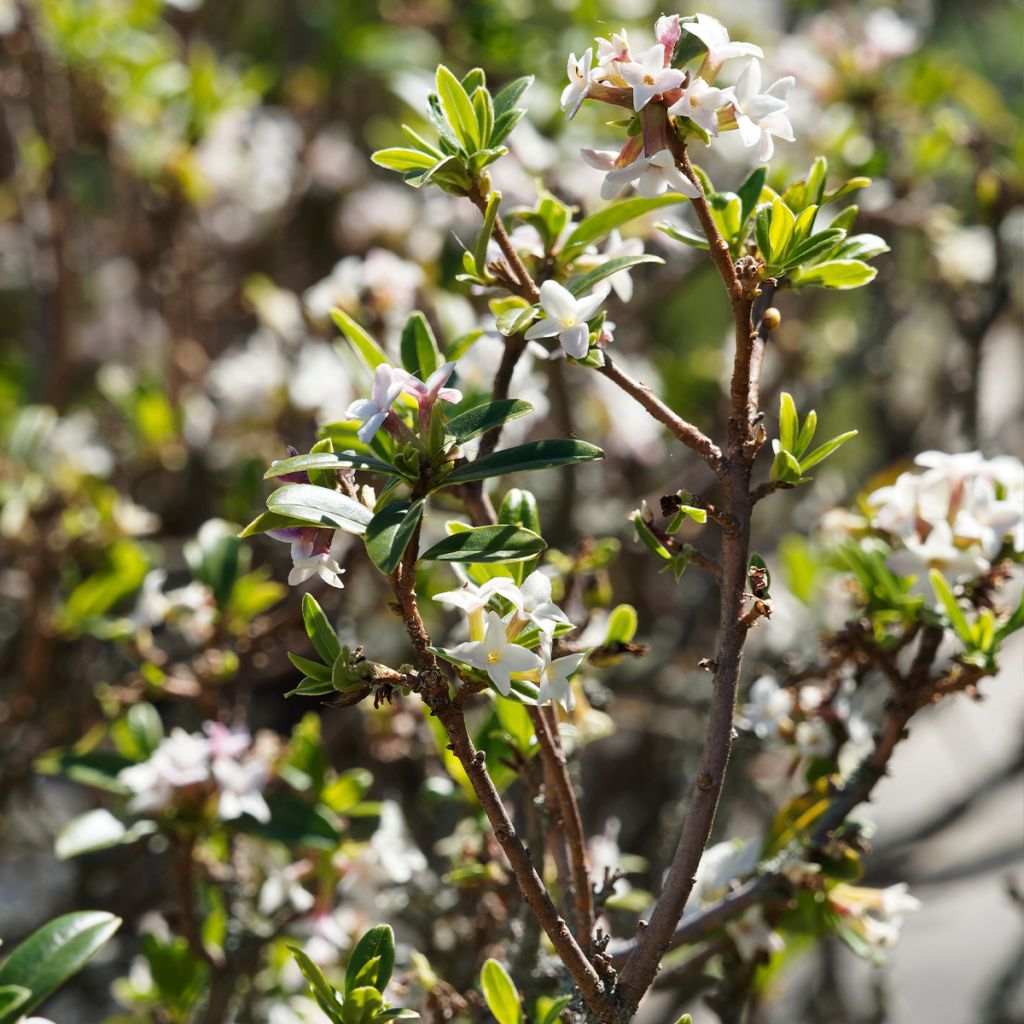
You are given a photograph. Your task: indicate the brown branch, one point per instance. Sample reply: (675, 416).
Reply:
(434, 690)
(734, 472)
(683, 431)
(706, 563)
(546, 727)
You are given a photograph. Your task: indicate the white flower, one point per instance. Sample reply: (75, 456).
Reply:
(151, 605)
(473, 600)
(613, 50)
(396, 855)
(387, 386)
(496, 656)
(714, 35)
(648, 76)
(751, 935)
(567, 317)
(700, 103)
(759, 116)
(554, 677)
(875, 914)
(813, 738)
(578, 88)
(241, 788)
(936, 551)
(427, 392)
(768, 707)
(312, 558)
(536, 605)
(653, 175)
(720, 865)
(283, 887)
(180, 760)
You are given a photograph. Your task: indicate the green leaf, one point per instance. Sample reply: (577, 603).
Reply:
(420, 355)
(327, 461)
(682, 234)
(580, 284)
(482, 418)
(515, 720)
(548, 1010)
(326, 994)
(483, 108)
(726, 210)
(319, 630)
(389, 532)
(490, 216)
(953, 611)
(526, 458)
(320, 507)
(500, 993)
(825, 450)
(458, 109)
(377, 944)
(803, 225)
(501, 543)
(806, 434)
(403, 160)
(750, 192)
(95, 830)
(780, 230)
(817, 245)
(622, 625)
(598, 225)
(51, 955)
(461, 345)
(310, 668)
(788, 422)
(292, 822)
(762, 229)
(96, 768)
(365, 347)
(12, 997)
(139, 733)
(785, 468)
(508, 97)
(838, 274)
(861, 247)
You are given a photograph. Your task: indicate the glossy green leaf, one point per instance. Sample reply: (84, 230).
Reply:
(806, 434)
(310, 668)
(785, 468)
(365, 347)
(682, 234)
(599, 225)
(325, 993)
(319, 630)
(506, 99)
(622, 624)
(482, 418)
(548, 1010)
(326, 461)
(420, 355)
(500, 993)
(500, 543)
(320, 507)
(788, 422)
(825, 450)
(97, 830)
(377, 944)
(53, 953)
(389, 532)
(861, 247)
(403, 160)
(525, 458)
(780, 230)
(458, 109)
(838, 274)
(13, 998)
(750, 192)
(490, 216)
(580, 284)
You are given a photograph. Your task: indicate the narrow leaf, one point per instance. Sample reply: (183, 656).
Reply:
(377, 944)
(490, 216)
(598, 225)
(580, 284)
(327, 461)
(321, 507)
(389, 532)
(482, 418)
(319, 630)
(458, 109)
(500, 543)
(500, 993)
(365, 347)
(825, 450)
(420, 355)
(525, 458)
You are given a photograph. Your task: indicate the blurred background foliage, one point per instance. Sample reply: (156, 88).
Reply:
(185, 191)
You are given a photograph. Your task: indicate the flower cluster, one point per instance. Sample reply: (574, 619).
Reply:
(492, 647)
(957, 516)
(188, 767)
(816, 721)
(672, 102)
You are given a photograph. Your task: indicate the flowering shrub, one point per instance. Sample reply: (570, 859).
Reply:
(471, 640)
